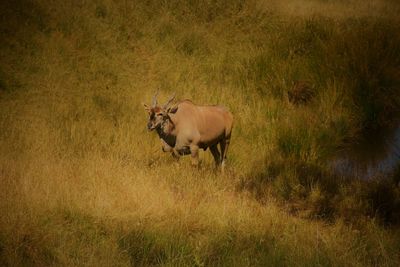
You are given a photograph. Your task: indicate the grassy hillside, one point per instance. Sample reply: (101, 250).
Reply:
(84, 184)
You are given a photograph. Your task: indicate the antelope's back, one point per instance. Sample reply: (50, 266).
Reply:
(216, 121)
(211, 122)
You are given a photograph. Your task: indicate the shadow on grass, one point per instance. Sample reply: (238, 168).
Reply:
(311, 191)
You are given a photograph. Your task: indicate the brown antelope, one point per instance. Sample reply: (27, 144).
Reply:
(184, 128)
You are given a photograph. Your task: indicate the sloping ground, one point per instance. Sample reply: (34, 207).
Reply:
(84, 183)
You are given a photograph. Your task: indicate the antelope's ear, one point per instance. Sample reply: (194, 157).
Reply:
(173, 109)
(146, 107)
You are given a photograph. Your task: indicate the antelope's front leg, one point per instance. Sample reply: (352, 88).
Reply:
(165, 147)
(175, 154)
(194, 151)
(168, 148)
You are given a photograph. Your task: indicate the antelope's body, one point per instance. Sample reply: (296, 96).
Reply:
(185, 128)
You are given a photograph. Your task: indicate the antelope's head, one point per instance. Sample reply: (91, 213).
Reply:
(158, 114)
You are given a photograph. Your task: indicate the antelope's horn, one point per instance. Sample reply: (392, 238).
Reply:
(169, 101)
(155, 98)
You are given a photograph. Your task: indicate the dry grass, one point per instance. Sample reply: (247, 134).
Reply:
(336, 9)
(84, 183)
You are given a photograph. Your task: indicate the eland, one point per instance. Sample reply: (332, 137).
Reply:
(184, 128)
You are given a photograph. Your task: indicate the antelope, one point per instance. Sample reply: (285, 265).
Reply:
(184, 128)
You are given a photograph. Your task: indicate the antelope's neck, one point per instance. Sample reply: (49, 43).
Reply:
(165, 133)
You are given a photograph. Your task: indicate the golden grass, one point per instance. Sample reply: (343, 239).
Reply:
(84, 184)
(336, 9)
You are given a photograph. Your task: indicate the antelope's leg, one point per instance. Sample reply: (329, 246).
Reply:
(180, 147)
(224, 149)
(175, 154)
(194, 151)
(216, 154)
(165, 146)
(168, 148)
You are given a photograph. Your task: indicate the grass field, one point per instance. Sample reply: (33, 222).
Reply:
(83, 183)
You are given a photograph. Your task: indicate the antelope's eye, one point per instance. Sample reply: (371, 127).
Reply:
(159, 114)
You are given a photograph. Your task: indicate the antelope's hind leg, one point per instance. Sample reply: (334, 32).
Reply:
(224, 150)
(216, 154)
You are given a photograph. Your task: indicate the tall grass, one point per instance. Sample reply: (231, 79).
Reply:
(84, 183)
